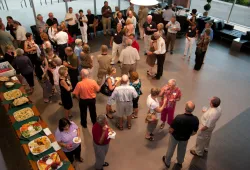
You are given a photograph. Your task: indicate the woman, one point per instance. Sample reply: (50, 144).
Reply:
(23, 66)
(83, 20)
(101, 141)
(154, 112)
(52, 32)
(30, 47)
(192, 20)
(46, 43)
(111, 82)
(151, 59)
(65, 133)
(92, 22)
(173, 94)
(201, 49)
(136, 83)
(78, 50)
(86, 60)
(9, 54)
(65, 88)
(191, 36)
(160, 28)
(129, 28)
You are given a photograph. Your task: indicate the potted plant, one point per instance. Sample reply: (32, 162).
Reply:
(207, 7)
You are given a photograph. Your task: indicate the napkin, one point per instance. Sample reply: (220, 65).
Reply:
(47, 131)
(112, 136)
(56, 146)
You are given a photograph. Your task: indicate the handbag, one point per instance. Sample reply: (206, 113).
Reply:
(105, 89)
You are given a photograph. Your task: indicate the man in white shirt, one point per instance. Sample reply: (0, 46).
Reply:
(61, 38)
(208, 123)
(160, 54)
(20, 34)
(128, 57)
(131, 16)
(173, 27)
(71, 19)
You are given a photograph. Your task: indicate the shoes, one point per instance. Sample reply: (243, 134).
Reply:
(194, 153)
(118, 62)
(171, 52)
(156, 78)
(145, 53)
(163, 159)
(112, 63)
(80, 159)
(84, 126)
(106, 164)
(179, 165)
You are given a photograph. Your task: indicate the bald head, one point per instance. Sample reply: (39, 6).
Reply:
(124, 79)
(157, 35)
(51, 15)
(84, 73)
(190, 106)
(149, 18)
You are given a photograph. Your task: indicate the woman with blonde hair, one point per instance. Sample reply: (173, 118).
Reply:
(160, 28)
(129, 28)
(46, 43)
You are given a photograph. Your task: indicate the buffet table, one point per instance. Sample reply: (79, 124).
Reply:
(24, 141)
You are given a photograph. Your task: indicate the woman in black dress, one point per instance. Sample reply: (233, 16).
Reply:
(65, 87)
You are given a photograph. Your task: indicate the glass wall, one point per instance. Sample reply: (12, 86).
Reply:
(240, 14)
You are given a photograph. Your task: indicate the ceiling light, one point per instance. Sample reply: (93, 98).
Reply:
(144, 2)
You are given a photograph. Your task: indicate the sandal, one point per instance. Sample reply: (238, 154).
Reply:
(151, 134)
(109, 116)
(162, 126)
(150, 138)
(119, 127)
(129, 126)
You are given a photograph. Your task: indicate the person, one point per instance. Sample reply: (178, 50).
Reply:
(92, 21)
(193, 18)
(2, 26)
(65, 133)
(46, 43)
(85, 92)
(20, 34)
(41, 26)
(86, 59)
(160, 29)
(142, 15)
(71, 19)
(116, 42)
(151, 59)
(167, 14)
(173, 27)
(155, 109)
(183, 126)
(208, 26)
(149, 29)
(61, 38)
(119, 19)
(52, 30)
(106, 17)
(191, 36)
(135, 44)
(160, 55)
(128, 58)
(51, 20)
(30, 47)
(65, 89)
(5, 39)
(130, 8)
(23, 66)
(83, 20)
(9, 54)
(104, 62)
(129, 28)
(117, 10)
(132, 17)
(136, 83)
(72, 64)
(10, 26)
(201, 50)
(58, 63)
(123, 95)
(78, 50)
(173, 94)
(101, 141)
(208, 123)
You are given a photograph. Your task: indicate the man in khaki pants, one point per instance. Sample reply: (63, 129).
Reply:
(142, 14)
(106, 17)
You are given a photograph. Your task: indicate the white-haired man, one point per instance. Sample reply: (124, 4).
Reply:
(160, 54)
(51, 20)
(123, 95)
(85, 91)
(129, 56)
(132, 17)
(149, 29)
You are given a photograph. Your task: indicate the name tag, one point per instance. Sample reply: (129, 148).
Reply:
(74, 131)
(150, 25)
(189, 30)
(115, 34)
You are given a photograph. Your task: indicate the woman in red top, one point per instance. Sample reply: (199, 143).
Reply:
(135, 43)
(100, 132)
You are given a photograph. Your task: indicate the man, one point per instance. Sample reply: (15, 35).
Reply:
(160, 54)
(119, 19)
(116, 42)
(149, 29)
(130, 8)
(142, 15)
(129, 56)
(10, 26)
(132, 17)
(5, 39)
(191, 36)
(85, 92)
(51, 20)
(40, 24)
(135, 44)
(2, 24)
(167, 14)
(20, 34)
(183, 126)
(71, 19)
(117, 10)
(173, 27)
(106, 17)
(61, 39)
(208, 26)
(92, 21)
(208, 123)
(123, 95)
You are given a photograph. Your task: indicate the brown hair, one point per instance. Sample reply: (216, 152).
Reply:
(104, 48)
(155, 91)
(110, 70)
(44, 36)
(62, 70)
(134, 76)
(86, 49)
(48, 50)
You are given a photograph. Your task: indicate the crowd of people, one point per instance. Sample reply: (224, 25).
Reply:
(62, 57)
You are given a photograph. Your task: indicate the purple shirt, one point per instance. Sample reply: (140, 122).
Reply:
(67, 137)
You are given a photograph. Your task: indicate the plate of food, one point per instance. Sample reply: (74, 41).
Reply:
(50, 162)
(4, 78)
(111, 133)
(19, 101)
(118, 78)
(30, 129)
(23, 114)
(77, 140)
(13, 94)
(9, 84)
(39, 145)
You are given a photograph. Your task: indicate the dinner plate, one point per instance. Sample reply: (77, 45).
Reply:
(75, 139)
(31, 147)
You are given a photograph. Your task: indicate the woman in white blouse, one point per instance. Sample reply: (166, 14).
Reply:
(83, 20)
(52, 32)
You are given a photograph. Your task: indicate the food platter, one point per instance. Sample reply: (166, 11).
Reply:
(30, 129)
(23, 114)
(39, 145)
(50, 162)
(13, 94)
(4, 78)
(19, 101)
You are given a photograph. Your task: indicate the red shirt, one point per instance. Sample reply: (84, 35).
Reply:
(136, 45)
(97, 133)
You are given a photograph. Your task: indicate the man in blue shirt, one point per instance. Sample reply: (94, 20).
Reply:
(208, 26)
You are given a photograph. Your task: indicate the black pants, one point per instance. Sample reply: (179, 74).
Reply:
(76, 152)
(73, 29)
(29, 78)
(160, 62)
(199, 60)
(84, 104)
(33, 58)
(61, 51)
(73, 74)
